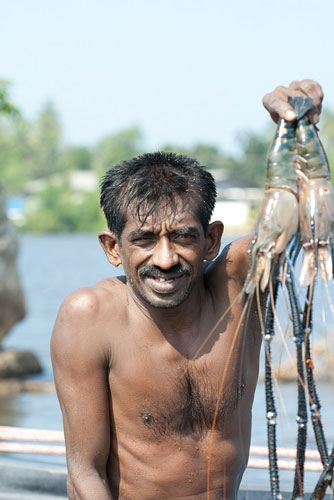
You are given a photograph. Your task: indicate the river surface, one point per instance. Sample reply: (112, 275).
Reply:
(52, 266)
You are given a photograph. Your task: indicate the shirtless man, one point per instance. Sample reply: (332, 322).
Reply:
(137, 385)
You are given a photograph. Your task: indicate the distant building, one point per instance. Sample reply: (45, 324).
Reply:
(233, 214)
(228, 189)
(83, 180)
(15, 209)
(234, 202)
(79, 181)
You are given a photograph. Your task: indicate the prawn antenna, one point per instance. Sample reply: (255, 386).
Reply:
(271, 413)
(314, 401)
(298, 337)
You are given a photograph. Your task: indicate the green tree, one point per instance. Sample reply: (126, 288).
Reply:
(116, 148)
(208, 155)
(57, 209)
(13, 171)
(42, 143)
(250, 167)
(326, 134)
(6, 106)
(75, 158)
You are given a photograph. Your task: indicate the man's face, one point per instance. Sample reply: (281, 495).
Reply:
(163, 259)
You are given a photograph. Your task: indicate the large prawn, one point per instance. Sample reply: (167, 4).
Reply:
(316, 205)
(298, 199)
(276, 225)
(316, 216)
(316, 228)
(277, 221)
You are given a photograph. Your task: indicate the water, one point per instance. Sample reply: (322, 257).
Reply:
(54, 265)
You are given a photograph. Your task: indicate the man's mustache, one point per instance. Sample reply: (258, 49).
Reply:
(157, 272)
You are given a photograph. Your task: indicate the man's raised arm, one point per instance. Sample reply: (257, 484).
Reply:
(277, 105)
(81, 374)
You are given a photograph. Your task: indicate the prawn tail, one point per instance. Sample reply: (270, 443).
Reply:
(325, 262)
(266, 272)
(309, 268)
(259, 272)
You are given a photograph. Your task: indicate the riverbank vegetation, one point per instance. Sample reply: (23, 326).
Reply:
(58, 184)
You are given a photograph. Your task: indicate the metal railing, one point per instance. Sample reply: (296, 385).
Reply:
(14, 440)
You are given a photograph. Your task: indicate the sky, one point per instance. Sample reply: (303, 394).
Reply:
(184, 71)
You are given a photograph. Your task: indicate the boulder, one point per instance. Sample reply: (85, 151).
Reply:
(13, 386)
(15, 364)
(12, 304)
(323, 361)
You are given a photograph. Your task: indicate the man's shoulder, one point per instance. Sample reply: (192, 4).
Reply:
(232, 262)
(84, 313)
(87, 322)
(93, 300)
(238, 248)
(237, 260)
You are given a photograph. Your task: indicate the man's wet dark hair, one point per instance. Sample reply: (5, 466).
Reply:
(143, 183)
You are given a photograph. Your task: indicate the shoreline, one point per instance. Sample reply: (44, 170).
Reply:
(32, 482)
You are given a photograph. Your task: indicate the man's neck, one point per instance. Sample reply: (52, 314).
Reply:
(182, 323)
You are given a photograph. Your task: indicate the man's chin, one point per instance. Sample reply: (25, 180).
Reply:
(151, 298)
(166, 301)
(165, 304)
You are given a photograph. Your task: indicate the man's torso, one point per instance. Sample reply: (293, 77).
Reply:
(176, 406)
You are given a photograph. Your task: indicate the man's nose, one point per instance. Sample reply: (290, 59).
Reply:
(164, 255)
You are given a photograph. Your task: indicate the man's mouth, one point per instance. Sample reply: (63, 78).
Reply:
(165, 282)
(162, 284)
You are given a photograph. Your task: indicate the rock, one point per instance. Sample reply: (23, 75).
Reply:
(12, 386)
(15, 364)
(38, 386)
(322, 358)
(12, 304)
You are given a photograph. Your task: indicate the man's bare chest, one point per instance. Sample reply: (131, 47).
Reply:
(168, 394)
(190, 404)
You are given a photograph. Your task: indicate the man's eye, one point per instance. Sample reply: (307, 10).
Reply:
(143, 240)
(183, 237)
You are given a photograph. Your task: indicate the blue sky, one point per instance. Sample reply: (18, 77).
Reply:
(183, 70)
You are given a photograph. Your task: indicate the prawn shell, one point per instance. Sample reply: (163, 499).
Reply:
(277, 220)
(309, 146)
(316, 214)
(281, 167)
(316, 208)
(276, 224)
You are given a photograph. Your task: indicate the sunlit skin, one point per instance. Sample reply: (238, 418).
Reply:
(137, 383)
(158, 449)
(163, 259)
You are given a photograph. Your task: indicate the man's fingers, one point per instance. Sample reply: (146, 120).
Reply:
(277, 104)
(311, 89)
(313, 116)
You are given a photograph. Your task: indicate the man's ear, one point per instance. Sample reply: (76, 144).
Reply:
(110, 245)
(213, 240)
